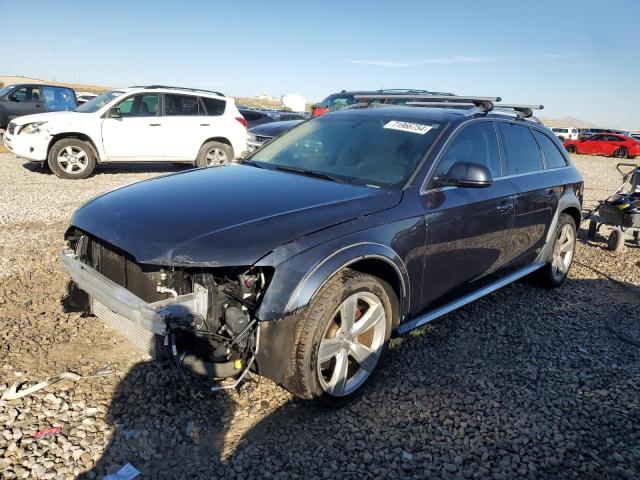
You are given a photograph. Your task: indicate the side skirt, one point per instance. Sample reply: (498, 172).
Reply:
(449, 307)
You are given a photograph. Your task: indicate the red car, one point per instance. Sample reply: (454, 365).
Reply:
(610, 144)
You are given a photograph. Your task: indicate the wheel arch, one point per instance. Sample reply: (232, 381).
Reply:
(224, 140)
(80, 136)
(372, 258)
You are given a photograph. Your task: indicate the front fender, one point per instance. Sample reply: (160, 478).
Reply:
(296, 282)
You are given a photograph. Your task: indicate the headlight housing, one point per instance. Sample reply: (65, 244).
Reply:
(32, 128)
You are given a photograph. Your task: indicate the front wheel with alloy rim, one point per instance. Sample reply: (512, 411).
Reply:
(343, 337)
(213, 153)
(555, 271)
(71, 158)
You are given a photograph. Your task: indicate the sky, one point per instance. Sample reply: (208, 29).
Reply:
(578, 58)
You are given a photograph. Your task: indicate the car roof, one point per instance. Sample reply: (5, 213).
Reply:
(178, 90)
(434, 114)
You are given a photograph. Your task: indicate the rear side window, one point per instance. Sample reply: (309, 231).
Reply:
(214, 107)
(522, 154)
(56, 98)
(476, 143)
(181, 105)
(27, 94)
(551, 153)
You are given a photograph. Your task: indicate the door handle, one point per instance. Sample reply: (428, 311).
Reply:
(154, 124)
(204, 124)
(505, 208)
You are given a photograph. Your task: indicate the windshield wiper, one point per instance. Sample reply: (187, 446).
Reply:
(252, 163)
(309, 173)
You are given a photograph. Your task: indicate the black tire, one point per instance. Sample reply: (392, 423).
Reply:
(593, 228)
(320, 318)
(622, 152)
(616, 240)
(549, 276)
(572, 149)
(81, 161)
(636, 237)
(212, 154)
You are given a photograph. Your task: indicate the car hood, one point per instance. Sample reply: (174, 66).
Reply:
(223, 216)
(64, 116)
(273, 129)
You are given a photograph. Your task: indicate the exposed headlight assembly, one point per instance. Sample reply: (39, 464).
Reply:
(32, 127)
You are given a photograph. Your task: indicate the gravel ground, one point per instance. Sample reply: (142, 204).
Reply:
(525, 383)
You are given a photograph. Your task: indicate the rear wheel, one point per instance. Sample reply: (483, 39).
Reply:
(71, 158)
(593, 228)
(572, 149)
(622, 152)
(212, 154)
(555, 271)
(616, 240)
(343, 337)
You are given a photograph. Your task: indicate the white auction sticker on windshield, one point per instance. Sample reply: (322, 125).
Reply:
(408, 127)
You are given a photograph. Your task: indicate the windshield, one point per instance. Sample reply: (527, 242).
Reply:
(4, 90)
(366, 150)
(98, 102)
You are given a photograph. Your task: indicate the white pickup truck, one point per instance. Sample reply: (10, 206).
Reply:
(137, 124)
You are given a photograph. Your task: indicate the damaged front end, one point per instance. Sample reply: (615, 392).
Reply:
(203, 319)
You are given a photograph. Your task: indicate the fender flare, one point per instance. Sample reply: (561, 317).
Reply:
(322, 271)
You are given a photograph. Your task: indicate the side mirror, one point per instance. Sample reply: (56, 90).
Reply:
(466, 175)
(115, 113)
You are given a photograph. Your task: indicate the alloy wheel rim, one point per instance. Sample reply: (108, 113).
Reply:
(216, 156)
(351, 344)
(72, 159)
(563, 251)
(622, 153)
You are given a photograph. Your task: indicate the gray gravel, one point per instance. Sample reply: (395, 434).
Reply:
(526, 383)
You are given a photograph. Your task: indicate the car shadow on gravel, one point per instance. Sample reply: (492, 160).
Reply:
(155, 167)
(525, 383)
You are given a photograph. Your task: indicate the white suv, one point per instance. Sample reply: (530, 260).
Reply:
(137, 124)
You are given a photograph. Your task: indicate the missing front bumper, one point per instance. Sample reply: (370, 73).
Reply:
(152, 317)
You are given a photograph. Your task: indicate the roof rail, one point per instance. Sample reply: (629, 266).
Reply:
(414, 91)
(179, 88)
(523, 111)
(484, 103)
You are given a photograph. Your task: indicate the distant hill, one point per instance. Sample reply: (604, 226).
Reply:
(567, 122)
(79, 87)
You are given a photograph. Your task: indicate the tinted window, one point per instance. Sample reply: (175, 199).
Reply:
(141, 105)
(251, 116)
(475, 143)
(613, 138)
(214, 107)
(338, 101)
(27, 94)
(551, 153)
(180, 105)
(522, 154)
(358, 149)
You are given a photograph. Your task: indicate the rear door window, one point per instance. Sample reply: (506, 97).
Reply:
(214, 107)
(522, 154)
(181, 105)
(552, 155)
(475, 143)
